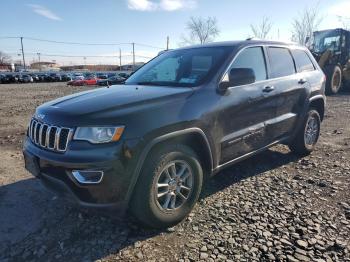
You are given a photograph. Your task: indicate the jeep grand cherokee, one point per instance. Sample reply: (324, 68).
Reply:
(147, 145)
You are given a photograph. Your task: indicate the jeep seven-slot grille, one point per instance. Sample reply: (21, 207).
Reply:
(48, 136)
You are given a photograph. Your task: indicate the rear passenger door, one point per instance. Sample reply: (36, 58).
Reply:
(289, 89)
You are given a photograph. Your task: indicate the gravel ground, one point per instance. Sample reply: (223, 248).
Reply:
(272, 207)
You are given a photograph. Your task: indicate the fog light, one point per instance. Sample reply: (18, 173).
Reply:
(88, 176)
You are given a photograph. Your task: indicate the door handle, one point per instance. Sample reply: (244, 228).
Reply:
(302, 81)
(268, 89)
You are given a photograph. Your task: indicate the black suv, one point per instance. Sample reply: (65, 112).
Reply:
(147, 145)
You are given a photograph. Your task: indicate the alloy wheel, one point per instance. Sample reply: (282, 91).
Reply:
(311, 131)
(174, 185)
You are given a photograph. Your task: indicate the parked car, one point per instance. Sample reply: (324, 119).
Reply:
(101, 76)
(43, 77)
(111, 75)
(66, 77)
(124, 75)
(84, 81)
(54, 77)
(25, 78)
(147, 145)
(2, 79)
(77, 82)
(111, 81)
(89, 75)
(9, 78)
(75, 78)
(92, 80)
(35, 77)
(78, 75)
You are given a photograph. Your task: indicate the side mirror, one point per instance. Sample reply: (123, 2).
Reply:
(238, 77)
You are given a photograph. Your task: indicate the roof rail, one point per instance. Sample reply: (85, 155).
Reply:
(252, 38)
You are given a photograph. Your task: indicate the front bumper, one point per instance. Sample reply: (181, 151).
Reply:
(115, 160)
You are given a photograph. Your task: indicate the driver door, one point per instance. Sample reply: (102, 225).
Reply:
(246, 108)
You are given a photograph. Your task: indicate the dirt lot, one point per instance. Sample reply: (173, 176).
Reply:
(273, 207)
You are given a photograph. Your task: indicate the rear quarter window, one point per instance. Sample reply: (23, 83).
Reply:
(281, 62)
(302, 61)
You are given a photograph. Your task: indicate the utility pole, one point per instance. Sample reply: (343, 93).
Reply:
(24, 62)
(133, 56)
(120, 59)
(167, 43)
(39, 61)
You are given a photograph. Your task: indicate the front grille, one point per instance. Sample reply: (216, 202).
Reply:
(48, 136)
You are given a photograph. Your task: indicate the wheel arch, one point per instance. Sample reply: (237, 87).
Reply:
(193, 137)
(318, 103)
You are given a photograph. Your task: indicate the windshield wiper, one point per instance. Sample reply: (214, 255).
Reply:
(161, 83)
(148, 83)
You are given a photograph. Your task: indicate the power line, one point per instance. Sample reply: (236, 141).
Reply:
(9, 37)
(151, 46)
(79, 43)
(74, 43)
(92, 56)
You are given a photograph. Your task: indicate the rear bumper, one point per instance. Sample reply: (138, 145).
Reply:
(55, 172)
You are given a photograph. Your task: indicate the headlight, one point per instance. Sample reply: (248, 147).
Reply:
(98, 135)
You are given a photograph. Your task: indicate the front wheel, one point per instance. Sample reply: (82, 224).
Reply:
(168, 187)
(305, 140)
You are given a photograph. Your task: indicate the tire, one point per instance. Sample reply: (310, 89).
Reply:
(334, 80)
(301, 145)
(155, 212)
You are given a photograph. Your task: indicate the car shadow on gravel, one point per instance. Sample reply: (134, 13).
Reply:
(37, 225)
(254, 166)
(34, 224)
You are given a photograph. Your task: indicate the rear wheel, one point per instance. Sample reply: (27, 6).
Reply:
(334, 80)
(168, 187)
(305, 140)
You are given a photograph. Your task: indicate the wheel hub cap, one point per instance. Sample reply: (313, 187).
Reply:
(311, 131)
(174, 185)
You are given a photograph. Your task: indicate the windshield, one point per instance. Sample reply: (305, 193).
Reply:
(181, 68)
(327, 40)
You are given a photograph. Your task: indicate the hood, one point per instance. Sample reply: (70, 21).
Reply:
(102, 103)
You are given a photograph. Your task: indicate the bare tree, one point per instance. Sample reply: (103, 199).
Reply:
(345, 21)
(305, 24)
(263, 29)
(4, 58)
(201, 30)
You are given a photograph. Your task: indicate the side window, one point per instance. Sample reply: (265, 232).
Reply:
(302, 61)
(252, 57)
(281, 62)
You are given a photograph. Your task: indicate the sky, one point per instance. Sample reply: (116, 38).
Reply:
(147, 23)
